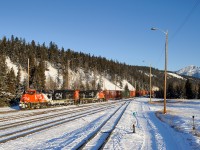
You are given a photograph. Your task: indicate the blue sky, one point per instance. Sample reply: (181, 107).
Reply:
(115, 29)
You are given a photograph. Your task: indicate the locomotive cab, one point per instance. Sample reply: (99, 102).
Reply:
(32, 99)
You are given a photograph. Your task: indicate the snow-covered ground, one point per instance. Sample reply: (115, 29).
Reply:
(153, 130)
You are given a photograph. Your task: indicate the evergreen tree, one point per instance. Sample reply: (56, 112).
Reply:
(50, 84)
(87, 86)
(82, 86)
(188, 90)
(11, 82)
(3, 73)
(126, 91)
(18, 83)
(170, 91)
(179, 92)
(32, 72)
(18, 51)
(198, 96)
(65, 78)
(3, 46)
(120, 84)
(98, 86)
(93, 83)
(18, 76)
(41, 75)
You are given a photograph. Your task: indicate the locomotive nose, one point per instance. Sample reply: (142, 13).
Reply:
(24, 99)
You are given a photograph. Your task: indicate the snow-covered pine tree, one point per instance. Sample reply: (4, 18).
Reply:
(3, 73)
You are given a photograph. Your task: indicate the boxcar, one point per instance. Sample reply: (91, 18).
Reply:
(63, 97)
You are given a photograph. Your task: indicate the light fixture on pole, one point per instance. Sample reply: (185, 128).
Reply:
(166, 52)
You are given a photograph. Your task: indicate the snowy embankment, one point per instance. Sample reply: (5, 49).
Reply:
(154, 130)
(151, 132)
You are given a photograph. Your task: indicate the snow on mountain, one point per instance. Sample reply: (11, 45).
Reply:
(191, 70)
(75, 77)
(175, 75)
(10, 65)
(52, 73)
(130, 87)
(108, 85)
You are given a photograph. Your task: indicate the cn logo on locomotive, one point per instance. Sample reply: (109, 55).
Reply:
(58, 96)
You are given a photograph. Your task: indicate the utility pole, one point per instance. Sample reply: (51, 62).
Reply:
(115, 82)
(104, 87)
(135, 86)
(68, 77)
(166, 58)
(28, 75)
(150, 83)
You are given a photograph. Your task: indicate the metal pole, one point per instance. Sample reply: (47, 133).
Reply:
(150, 83)
(104, 83)
(135, 86)
(115, 82)
(165, 83)
(68, 65)
(28, 75)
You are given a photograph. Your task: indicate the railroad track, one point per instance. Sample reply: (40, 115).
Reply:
(46, 117)
(98, 139)
(25, 114)
(10, 111)
(20, 113)
(58, 120)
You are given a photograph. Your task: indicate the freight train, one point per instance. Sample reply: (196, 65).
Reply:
(34, 99)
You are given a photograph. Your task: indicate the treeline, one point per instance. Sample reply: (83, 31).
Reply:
(20, 51)
(187, 90)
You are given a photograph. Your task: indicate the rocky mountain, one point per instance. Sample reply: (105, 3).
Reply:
(191, 70)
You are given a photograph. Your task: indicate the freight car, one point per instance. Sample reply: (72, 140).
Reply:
(142, 93)
(64, 97)
(91, 96)
(113, 94)
(132, 94)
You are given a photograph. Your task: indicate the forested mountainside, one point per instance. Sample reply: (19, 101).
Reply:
(20, 51)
